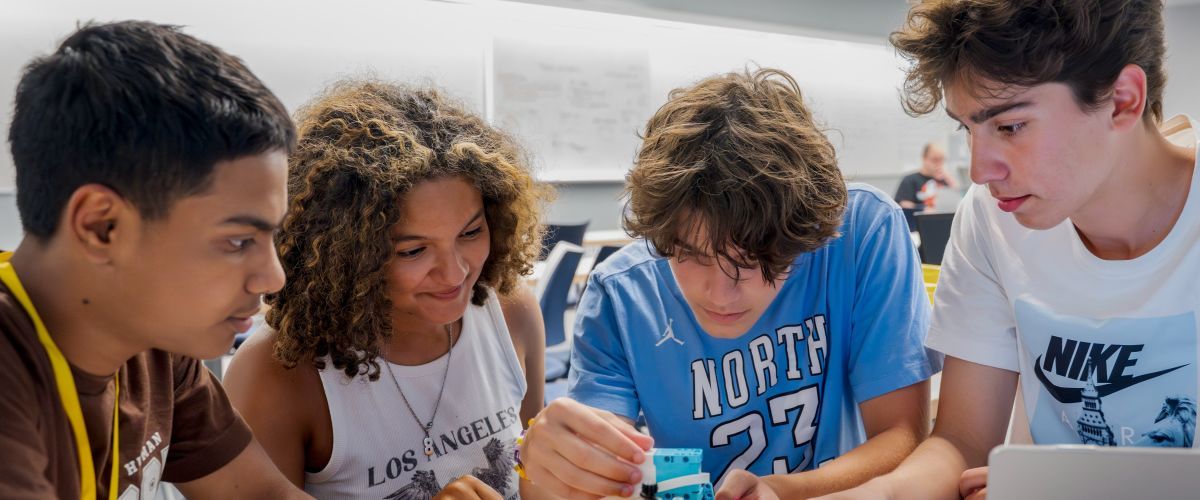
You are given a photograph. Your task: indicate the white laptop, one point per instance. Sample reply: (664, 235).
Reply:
(1027, 472)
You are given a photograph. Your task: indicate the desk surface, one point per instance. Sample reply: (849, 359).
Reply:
(603, 237)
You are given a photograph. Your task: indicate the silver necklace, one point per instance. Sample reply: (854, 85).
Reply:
(427, 426)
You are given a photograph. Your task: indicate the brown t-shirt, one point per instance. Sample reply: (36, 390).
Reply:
(176, 423)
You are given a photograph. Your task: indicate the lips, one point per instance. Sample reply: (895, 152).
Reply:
(1010, 204)
(240, 324)
(242, 320)
(448, 294)
(724, 318)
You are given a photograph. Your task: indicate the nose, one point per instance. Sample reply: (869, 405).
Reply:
(987, 161)
(269, 277)
(720, 288)
(452, 267)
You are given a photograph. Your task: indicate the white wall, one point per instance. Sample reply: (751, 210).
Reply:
(1183, 60)
(839, 19)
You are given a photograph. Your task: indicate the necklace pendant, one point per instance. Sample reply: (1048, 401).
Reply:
(428, 442)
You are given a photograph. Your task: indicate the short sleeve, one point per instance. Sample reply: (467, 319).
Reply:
(972, 317)
(207, 432)
(21, 436)
(891, 310)
(600, 376)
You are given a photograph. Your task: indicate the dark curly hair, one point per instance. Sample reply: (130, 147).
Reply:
(741, 154)
(1082, 43)
(362, 146)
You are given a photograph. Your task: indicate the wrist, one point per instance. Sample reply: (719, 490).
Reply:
(518, 465)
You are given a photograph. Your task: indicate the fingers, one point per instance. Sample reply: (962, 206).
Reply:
(576, 451)
(468, 487)
(596, 461)
(548, 482)
(738, 485)
(979, 494)
(597, 426)
(644, 441)
(587, 484)
(972, 480)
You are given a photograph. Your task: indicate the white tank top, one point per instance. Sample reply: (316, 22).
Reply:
(378, 450)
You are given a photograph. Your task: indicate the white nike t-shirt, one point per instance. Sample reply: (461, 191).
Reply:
(1040, 303)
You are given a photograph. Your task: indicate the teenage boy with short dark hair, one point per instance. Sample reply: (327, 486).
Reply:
(151, 173)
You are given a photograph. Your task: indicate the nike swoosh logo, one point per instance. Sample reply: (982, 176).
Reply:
(1068, 395)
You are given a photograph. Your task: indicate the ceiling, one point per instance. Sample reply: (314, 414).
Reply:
(864, 19)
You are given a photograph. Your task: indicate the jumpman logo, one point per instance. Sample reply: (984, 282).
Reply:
(669, 334)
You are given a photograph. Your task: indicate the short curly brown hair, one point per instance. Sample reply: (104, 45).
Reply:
(1082, 43)
(362, 146)
(741, 154)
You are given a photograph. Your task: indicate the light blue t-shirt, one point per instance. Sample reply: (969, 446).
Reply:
(848, 325)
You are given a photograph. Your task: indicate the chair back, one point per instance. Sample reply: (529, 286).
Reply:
(934, 229)
(910, 218)
(553, 287)
(572, 233)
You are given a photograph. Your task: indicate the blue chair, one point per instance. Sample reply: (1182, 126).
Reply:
(552, 290)
(603, 253)
(934, 229)
(571, 233)
(910, 217)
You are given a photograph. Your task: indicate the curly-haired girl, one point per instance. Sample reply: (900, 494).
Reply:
(403, 355)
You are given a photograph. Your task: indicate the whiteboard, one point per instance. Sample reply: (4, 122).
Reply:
(578, 107)
(852, 88)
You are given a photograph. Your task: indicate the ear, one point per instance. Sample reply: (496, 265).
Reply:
(95, 219)
(1129, 97)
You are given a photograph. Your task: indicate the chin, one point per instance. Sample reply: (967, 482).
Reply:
(1038, 221)
(450, 314)
(215, 344)
(724, 331)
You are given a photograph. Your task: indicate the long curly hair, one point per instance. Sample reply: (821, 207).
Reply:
(362, 146)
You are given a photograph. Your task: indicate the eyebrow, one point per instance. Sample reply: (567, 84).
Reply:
(250, 220)
(989, 113)
(411, 237)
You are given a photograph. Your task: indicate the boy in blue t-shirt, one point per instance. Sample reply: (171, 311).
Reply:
(768, 314)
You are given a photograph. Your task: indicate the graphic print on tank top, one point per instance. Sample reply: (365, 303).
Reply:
(497, 474)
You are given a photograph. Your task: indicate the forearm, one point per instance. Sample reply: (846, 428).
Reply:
(250, 475)
(276, 489)
(877, 456)
(931, 472)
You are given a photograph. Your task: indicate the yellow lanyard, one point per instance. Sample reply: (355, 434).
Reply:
(67, 392)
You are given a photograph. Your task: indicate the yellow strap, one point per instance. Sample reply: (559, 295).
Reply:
(66, 390)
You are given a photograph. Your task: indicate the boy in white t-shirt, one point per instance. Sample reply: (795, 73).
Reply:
(1074, 262)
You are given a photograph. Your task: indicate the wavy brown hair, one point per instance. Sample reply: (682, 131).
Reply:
(741, 155)
(362, 146)
(1081, 43)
